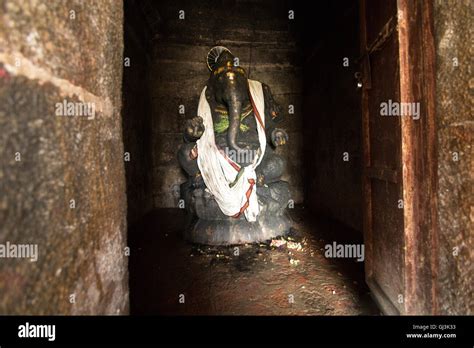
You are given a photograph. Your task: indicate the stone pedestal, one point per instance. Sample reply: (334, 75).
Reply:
(208, 225)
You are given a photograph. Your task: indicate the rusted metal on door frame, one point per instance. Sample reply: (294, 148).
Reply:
(382, 37)
(389, 27)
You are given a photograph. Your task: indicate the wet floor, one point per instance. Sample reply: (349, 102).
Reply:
(287, 276)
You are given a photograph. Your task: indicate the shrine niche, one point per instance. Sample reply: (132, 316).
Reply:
(234, 193)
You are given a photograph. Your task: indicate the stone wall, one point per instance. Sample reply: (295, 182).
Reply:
(62, 177)
(332, 110)
(454, 84)
(258, 32)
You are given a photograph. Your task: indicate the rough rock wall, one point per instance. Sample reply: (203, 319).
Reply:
(258, 32)
(62, 177)
(332, 122)
(454, 84)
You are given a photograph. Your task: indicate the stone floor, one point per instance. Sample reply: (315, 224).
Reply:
(289, 276)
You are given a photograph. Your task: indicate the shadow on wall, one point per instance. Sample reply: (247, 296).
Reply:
(137, 116)
(332, 113)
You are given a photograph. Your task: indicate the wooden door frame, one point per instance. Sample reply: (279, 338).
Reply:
(415, 30)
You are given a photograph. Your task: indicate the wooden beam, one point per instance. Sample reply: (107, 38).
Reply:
(419, 166)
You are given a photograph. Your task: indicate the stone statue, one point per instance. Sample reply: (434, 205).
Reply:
(234, 193)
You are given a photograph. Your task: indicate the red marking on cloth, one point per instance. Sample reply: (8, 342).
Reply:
(4, 73)
(232, 163)
(247, 203)
(251, 181)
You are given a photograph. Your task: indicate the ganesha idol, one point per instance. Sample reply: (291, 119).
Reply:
(234, 193)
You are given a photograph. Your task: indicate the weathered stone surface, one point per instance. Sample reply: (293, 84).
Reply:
(81, 266)
(454, 84)
(292, 172)
(73, 40)
(179, 52)
(167, 179)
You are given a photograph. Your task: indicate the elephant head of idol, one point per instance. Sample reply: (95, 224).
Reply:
(230, 88)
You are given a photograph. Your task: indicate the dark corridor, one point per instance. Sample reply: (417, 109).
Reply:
(309, 63)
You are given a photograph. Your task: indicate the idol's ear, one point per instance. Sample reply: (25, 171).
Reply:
(213, 56)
